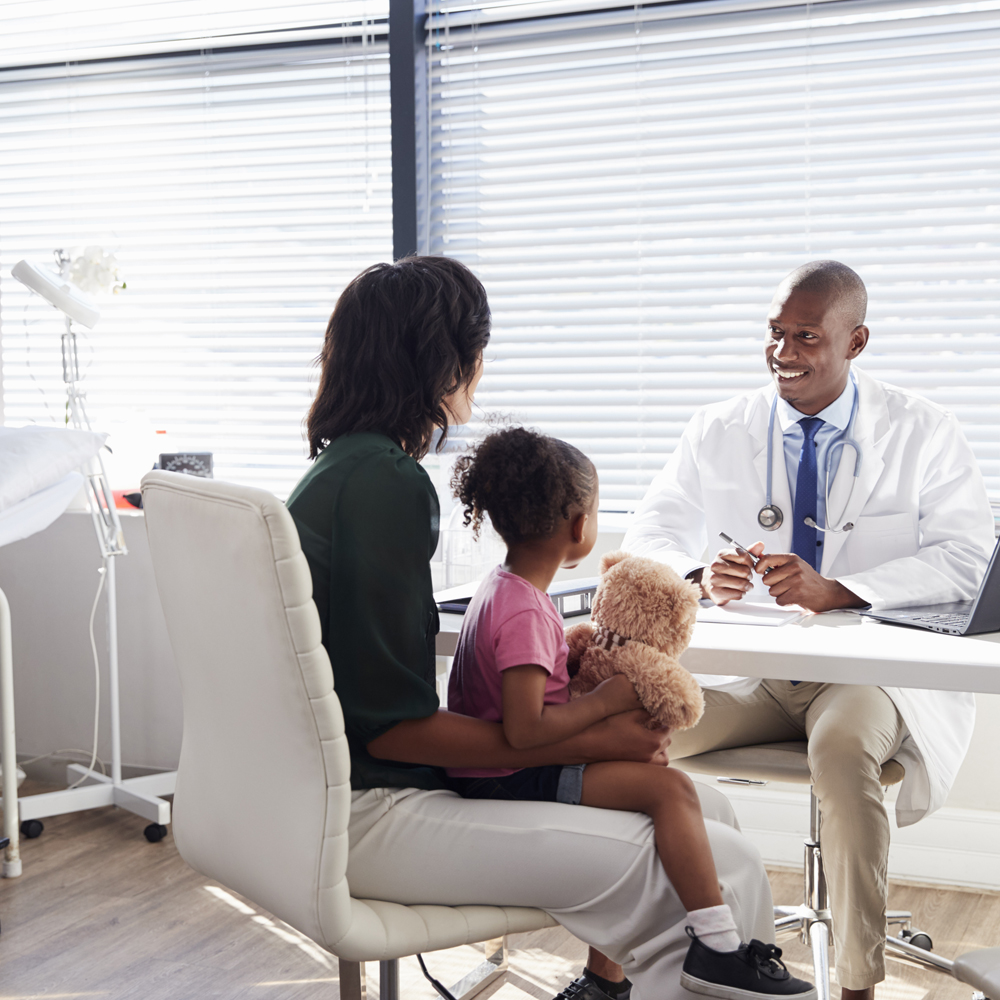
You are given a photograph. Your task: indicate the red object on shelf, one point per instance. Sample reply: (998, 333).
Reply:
(120, 502)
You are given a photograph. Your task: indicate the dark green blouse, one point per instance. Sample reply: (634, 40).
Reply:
(367, 516)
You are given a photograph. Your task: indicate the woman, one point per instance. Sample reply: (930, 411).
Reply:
(402, 357)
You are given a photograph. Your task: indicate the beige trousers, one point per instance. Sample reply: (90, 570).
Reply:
(852, 731)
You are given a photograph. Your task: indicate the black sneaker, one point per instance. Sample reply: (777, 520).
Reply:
(753, 970)
(584, 988)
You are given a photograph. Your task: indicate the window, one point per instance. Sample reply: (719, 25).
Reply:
(631, 184)
(241, 180)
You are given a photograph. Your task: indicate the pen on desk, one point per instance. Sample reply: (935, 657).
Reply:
(742, 549)
(741, 781)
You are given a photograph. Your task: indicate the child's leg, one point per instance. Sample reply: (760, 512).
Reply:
(717, 963)
(668, 797)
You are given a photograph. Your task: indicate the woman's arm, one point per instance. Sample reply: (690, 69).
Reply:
(528, 722)
(446, 739)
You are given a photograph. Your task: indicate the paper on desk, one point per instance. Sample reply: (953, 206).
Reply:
(749, 613)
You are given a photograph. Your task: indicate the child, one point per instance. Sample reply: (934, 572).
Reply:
(510, 666)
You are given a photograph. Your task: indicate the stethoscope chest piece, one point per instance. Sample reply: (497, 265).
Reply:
(769, 517)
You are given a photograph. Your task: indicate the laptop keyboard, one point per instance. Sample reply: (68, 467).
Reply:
(941, 619)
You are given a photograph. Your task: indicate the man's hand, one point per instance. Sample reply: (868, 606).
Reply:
(728, 577)
(791, 580)
(625, 737)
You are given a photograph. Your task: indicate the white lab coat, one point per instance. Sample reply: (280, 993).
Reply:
(923, 532)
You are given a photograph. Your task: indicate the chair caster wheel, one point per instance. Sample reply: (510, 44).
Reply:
(155, 832)
(918, 939)
(32, 828)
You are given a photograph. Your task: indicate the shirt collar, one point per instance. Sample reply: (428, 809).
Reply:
(837, 413)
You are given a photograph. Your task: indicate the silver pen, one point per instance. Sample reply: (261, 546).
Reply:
(742, 549)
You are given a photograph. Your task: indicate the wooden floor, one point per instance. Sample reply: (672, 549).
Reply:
(99, 912)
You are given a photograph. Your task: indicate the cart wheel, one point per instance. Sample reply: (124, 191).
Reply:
(32, 828)
(155, 832)
(919, 939)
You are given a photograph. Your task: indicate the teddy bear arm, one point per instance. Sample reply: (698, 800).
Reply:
(578, 639)
(667, 691)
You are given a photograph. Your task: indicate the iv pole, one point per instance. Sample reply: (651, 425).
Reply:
(90, 790)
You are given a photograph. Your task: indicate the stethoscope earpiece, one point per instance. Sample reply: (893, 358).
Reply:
(812, 524)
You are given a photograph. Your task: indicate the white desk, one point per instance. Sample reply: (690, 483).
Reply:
(838, 647)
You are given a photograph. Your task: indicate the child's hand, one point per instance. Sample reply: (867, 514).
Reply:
(625, 737)
(618, 694)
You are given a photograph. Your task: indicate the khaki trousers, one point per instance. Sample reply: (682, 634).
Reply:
(852, 731)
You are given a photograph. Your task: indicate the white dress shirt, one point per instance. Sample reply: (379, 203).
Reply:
(831, 435)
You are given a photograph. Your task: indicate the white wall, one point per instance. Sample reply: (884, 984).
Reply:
(50, 580)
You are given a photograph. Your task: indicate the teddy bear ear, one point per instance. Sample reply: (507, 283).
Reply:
(610, 559)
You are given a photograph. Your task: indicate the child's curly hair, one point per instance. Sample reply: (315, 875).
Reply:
(525, 481)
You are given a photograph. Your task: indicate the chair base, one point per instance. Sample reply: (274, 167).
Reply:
(353, 981)
(902, 945)
(814, 927)
(814, 922)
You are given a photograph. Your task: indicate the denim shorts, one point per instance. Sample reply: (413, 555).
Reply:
(552, 783)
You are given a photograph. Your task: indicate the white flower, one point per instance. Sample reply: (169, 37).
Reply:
(95, 270)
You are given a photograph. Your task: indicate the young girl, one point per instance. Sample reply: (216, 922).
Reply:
(510, 667)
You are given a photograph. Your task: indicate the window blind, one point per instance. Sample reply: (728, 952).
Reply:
(631, 184)
(240, 189)
(38, 32)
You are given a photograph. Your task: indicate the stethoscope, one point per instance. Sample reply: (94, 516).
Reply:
(770, 517)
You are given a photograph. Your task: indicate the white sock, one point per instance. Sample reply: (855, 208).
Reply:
(715, 927)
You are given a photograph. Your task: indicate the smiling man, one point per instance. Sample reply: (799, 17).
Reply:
(855, 492)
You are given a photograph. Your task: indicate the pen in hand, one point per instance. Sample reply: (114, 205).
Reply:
(742, 549)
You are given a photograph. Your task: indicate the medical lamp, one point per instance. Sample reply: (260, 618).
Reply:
(77, 306)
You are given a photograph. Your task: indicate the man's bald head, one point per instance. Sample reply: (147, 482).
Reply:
(816, 328)
(839, 285)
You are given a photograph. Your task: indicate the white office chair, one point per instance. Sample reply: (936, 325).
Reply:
(263, 789)
(788, 762)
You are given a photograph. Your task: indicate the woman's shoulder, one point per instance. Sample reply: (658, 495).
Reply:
(351, 450)
(369, 463)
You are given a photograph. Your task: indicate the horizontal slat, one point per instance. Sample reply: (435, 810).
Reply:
(447, 13)
(50, 31)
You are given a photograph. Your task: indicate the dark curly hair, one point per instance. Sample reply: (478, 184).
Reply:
(525, 481)
(402, 337)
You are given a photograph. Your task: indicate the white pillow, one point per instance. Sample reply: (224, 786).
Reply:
(33, 458)
(38, 511)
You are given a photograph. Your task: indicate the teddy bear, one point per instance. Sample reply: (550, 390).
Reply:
(642, 619)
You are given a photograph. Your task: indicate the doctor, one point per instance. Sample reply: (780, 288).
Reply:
(865, 494)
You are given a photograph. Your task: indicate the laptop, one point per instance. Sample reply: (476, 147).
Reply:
(959, 617)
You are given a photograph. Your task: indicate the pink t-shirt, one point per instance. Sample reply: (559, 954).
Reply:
(510, 622)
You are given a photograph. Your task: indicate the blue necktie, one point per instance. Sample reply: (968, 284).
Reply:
(804, 537)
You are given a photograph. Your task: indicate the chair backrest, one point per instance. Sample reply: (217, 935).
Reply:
(263, 790)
